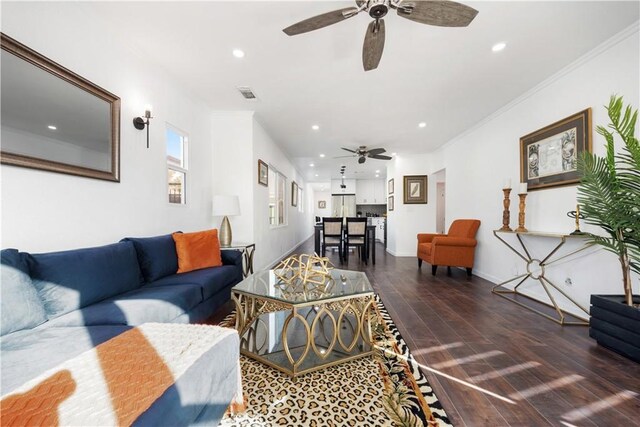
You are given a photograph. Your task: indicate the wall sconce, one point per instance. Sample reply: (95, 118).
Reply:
(140, 123)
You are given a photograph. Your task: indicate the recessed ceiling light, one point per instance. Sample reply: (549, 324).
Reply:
(315, 127)
(393, 154)
(422, 125)
(238, 53)
(311, 165)
(52, 127)
(316, 175)
(321, 155)
(378, 171)
(377, 176)
(499, 46)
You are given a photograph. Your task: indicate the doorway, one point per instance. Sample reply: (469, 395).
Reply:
(440, 207)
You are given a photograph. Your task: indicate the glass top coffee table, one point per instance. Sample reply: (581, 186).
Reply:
(303, 328)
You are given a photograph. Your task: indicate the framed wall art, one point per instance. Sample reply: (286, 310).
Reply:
(390, 186)
(322, 204)
(390, 203)
(415, 189)
(549, 156)
(263, 173)
(294, 194)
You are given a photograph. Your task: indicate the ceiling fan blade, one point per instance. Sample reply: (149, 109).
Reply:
(440, 13)
(320, 21)
(381, 157)
(376, 151)
(342, 157)
(373, 45)
(349, 150)
(362, 159)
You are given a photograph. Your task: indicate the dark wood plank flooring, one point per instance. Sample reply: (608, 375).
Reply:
(492, 363)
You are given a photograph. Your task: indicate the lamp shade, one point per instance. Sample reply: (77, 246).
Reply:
(225, 205)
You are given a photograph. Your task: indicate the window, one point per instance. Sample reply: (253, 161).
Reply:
(300, 200)
(177, 166)
(277, 191)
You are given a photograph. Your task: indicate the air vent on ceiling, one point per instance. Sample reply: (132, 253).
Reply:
(247, 93)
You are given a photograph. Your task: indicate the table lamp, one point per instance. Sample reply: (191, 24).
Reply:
(225, 206)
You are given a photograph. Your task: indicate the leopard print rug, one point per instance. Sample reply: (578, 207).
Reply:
(388, 389)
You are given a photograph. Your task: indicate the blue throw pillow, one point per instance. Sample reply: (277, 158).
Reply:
(20, 306)
(70, 280)
(157, 256)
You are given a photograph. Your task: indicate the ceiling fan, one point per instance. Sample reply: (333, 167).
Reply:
(362, 153)
(441, 13)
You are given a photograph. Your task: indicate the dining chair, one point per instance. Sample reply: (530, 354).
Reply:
(355, 236)
(332, 235)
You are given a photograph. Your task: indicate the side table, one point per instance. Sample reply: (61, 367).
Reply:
(247, 250)
(536, 271)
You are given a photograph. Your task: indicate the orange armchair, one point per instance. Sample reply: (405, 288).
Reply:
(455, 249)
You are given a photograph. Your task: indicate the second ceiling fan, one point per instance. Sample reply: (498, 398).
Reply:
(362, 153)
(439, 13)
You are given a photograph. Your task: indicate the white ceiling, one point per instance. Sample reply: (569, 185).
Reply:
(446, 77)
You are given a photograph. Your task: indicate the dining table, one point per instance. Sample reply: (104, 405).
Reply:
(369, 241)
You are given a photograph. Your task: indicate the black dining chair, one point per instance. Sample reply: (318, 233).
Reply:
(332, 235)
(355, 236)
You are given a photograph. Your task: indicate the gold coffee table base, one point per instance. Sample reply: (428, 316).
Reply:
(267, 328)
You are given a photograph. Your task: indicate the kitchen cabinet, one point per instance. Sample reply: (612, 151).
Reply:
(350, 186)
(364, 192)
(370, 192)
(379, 196)
(379, 223)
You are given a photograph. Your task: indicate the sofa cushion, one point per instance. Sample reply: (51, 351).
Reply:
(156, 255)
(70, 280)
(162, 304)
(210, 280)
(197, 250)
(20, 306)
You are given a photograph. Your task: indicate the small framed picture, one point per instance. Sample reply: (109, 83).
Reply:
(294, 194)
(322, 204)
(390, 203)
(263, 173)
(415, 189)
(390, 186)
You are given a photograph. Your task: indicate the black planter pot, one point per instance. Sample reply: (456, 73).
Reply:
(615, 325)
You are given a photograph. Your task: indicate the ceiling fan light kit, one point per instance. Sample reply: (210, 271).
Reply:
(442, 13)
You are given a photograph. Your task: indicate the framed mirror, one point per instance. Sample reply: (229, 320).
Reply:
(55, 120)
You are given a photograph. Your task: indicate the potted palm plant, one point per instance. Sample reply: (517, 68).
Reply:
(609, 196)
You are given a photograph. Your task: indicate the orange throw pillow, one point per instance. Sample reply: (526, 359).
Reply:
(197, 250)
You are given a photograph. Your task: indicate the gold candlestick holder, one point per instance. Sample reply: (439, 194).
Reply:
(521, 228)
(577, 216)
(506, 215)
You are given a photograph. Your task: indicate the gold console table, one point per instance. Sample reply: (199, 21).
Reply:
(536, 271)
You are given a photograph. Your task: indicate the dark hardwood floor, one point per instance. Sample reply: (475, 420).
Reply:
(492, 363)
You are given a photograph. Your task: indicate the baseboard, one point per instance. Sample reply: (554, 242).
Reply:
(288, 252)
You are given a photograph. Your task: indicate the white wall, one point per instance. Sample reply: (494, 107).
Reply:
(324, 196)
(273, 242)
(44, 211)
(478, 161)
(233, 167)
(406, 221)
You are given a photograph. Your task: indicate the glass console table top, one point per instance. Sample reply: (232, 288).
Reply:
(342, 284)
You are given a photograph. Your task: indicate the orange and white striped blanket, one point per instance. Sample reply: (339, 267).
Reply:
(115, 382)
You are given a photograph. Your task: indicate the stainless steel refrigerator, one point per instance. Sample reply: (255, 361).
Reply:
(343, 205)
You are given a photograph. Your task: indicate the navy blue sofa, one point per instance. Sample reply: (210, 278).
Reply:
(57, 305)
